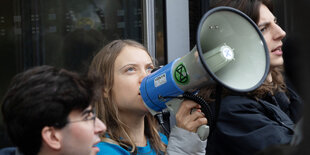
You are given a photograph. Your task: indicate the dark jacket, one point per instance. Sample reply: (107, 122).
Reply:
(246, 126)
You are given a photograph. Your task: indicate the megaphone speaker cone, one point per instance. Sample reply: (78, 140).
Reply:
(245, 64)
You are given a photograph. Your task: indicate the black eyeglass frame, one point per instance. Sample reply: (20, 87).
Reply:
(93, 111)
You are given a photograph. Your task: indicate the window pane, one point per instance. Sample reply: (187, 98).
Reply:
(160, 32)
(76, 29)
(62, 33)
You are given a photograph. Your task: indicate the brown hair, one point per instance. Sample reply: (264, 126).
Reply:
(102, 67)
(251, 9)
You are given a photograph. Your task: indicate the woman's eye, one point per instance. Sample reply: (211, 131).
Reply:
(149, 69)
(263, 29)
(130, 69)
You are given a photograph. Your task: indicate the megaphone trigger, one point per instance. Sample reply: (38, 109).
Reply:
(174, 105)
(204, 130)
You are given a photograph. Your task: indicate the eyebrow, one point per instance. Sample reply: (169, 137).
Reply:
(264, 24)
(267, 23)
(149, 64)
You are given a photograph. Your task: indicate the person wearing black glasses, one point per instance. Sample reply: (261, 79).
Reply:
(49, 111)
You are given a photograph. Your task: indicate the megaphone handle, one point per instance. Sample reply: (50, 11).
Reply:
(174, 105)
(203, 132)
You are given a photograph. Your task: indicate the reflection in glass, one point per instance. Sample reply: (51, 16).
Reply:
(62, 33)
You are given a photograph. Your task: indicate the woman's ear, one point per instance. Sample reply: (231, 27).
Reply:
(51, 137)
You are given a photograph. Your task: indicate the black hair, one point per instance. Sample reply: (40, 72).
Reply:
(39, 97)
(249, 7)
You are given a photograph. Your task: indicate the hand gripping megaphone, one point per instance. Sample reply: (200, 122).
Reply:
(230, 50)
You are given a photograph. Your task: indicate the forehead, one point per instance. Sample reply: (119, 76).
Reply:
(132, 55)
(264, 14)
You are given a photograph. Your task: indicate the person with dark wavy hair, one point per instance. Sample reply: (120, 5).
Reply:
(250, 122)
(50, 111)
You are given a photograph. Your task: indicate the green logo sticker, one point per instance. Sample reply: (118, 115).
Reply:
(180, 74)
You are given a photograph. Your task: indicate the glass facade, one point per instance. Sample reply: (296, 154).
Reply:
(67, 33)
(62, 33)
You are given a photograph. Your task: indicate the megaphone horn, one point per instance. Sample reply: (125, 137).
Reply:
(230, 50)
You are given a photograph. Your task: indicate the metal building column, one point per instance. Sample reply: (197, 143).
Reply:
(149, 36)
(177, 19)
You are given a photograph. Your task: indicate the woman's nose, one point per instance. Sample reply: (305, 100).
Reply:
(143, 74)
(279, 33)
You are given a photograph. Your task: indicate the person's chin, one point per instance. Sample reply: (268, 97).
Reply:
(143, 106)
(277, 62)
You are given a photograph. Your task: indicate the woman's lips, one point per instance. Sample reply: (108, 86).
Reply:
(278, 51)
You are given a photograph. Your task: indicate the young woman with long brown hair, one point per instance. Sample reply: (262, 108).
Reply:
(131, 129)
